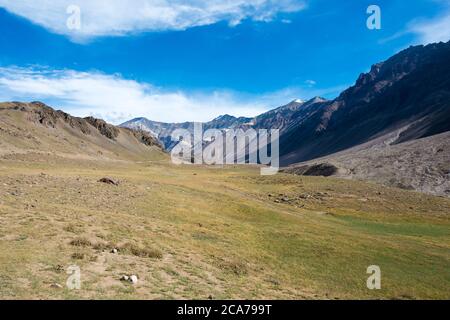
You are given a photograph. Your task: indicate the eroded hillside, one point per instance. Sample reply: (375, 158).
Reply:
(34, 128)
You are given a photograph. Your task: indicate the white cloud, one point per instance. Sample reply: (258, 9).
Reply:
(426, 30)
(434, 30)
(120, 17)
(116, 99)
(310, 83)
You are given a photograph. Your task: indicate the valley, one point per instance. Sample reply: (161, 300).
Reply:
(82, 194)
(195, 232)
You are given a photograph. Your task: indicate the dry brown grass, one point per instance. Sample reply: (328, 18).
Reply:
(218, 233)
(141, 252)
(78, 256)
(81, 242)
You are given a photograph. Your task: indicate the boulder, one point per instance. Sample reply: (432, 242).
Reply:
(109, 181)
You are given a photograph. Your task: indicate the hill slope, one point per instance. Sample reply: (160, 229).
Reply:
(27, 128)
(421, 164)
(411, 90)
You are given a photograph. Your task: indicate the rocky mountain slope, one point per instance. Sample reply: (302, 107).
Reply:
(410, 89)
(162, 131)
(279, 118)
(35, 128)
(391, 127)
(422, 164)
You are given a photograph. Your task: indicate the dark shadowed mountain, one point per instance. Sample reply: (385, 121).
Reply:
(410, 91)
(284, 117)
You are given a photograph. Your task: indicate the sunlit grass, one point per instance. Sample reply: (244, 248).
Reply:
(195, 232)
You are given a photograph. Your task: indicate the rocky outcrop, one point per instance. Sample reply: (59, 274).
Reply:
(108, 130)
(145, 137)
(59, 130)
(314, 170)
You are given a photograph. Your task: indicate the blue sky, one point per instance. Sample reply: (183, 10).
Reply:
(194, 60)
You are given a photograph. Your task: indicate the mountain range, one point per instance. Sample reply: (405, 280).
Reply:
(391, 127)
(411, 90)
(405, 98)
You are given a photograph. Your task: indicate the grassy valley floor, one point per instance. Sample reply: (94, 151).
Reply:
(200, 232)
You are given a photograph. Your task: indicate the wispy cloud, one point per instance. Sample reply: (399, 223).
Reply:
(426, 30)
(121, 17)
(433, 30)
(310, 83)
(116, 99)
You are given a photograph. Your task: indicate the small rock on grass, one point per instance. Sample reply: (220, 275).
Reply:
(109, 181)
(133, 279)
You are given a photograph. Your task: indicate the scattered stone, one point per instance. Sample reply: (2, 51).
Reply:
(316, 170)
(56, 286)
(114, 251)
(109, 181)
(134, 279)
(274, 281)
